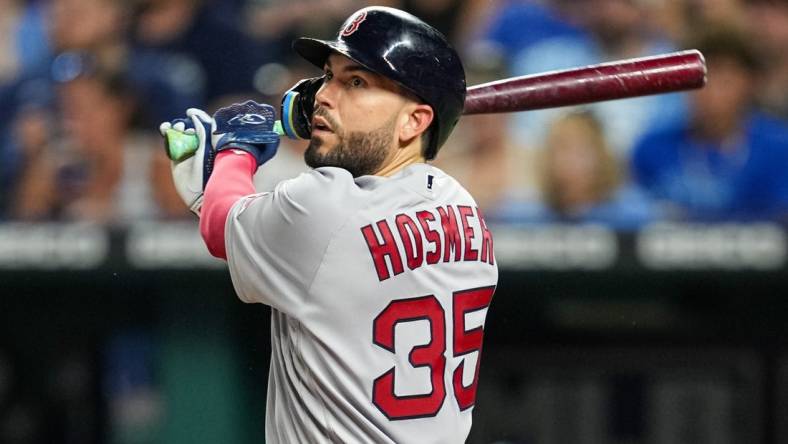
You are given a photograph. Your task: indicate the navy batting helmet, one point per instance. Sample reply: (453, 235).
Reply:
(403, 48)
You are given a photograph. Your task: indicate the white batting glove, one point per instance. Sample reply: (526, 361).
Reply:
(189, 173)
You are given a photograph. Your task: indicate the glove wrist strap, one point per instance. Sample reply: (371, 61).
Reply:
(254, 150)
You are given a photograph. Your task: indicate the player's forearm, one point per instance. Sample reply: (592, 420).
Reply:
(231, 180)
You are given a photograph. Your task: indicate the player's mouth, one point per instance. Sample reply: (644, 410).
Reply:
(321, 124)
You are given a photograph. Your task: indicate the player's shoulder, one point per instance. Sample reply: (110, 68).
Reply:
(450, 186)
(320, 185)
(414, 184)
(334, 191)
(327, 193)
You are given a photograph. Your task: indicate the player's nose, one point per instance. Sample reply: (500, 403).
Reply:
(325, 96)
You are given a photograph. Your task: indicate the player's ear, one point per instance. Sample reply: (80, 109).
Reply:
(415, 119)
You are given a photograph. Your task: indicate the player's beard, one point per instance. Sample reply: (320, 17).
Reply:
(360, 153)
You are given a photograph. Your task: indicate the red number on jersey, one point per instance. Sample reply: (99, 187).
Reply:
(431, 354)
(467, 341)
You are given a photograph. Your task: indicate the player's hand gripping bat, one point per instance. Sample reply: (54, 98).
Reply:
(621, 79)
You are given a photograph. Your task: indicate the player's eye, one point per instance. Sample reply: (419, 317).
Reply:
(328, 75)
(356, 82)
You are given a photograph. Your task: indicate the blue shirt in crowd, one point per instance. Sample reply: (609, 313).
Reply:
(745, 181)
(627, 209)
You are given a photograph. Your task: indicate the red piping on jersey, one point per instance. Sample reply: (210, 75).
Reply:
(231, 180)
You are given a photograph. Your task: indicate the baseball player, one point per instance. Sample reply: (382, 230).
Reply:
(378, 267)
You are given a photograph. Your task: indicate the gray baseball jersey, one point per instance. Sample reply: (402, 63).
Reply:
(379, 287)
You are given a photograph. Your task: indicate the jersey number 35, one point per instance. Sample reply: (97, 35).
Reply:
(432, 354)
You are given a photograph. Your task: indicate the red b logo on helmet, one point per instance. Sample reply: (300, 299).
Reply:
(353, 26)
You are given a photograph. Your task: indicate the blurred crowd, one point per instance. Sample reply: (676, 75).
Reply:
(85, 83)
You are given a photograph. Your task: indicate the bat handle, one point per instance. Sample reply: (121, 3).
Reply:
(180, 146)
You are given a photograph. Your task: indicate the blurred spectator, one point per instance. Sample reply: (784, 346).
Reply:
(23, 52)
(495, 171)
(612, 30)
(444, 15)
(94, 26)
(282, 20)
(728, 162)
(582, 181)
(183, 56)
(481, 155)
(25, 46)
(769, 23)
(274, 24)
(55, 37)
(702, 13)
(23, 98)
(501, 34)
(9, 57)
(85, 163)
(33, 194)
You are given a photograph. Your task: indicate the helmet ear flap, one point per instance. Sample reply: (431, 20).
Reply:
(298, 105)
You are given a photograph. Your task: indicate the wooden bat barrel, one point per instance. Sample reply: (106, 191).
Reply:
(621, 79)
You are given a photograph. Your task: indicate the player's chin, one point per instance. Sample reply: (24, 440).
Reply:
(323, 141)
(317, 151)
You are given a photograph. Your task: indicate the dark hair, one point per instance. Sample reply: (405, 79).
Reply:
(426, 137)
(724, 41)
(608, 175)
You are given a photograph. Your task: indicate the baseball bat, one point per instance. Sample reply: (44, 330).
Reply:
(664, 73)
(621, 79)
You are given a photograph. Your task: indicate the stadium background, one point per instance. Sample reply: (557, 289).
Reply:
(633, 307)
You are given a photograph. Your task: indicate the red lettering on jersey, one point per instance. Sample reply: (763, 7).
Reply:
(487, 240)
(379, 251)
(414, 253)
(470, 253)
(431, 235)
(430, 355)
(468, 341)
(451, 234)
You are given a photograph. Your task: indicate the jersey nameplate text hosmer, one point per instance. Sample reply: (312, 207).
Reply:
(445, 234)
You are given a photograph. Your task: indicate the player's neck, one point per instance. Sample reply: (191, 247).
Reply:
(402, 158)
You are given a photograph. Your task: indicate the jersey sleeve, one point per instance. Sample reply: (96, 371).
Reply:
(275, 241)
